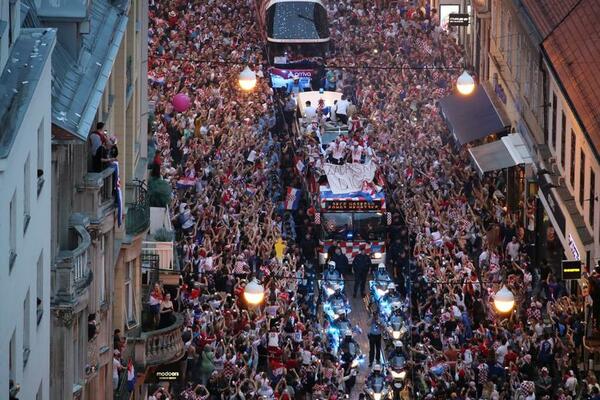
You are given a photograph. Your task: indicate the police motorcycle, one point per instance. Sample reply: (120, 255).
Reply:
(335, 306)
(332, 281)
(377, 387)
(396, 323)
(349, 353)
(389, 301)
(336, 329)
(378, 287)
(396, 368)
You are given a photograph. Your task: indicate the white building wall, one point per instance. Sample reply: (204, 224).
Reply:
(591, 163)
(15, 282)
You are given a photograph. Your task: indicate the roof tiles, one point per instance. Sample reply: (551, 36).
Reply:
(546, 14)
(573, 49)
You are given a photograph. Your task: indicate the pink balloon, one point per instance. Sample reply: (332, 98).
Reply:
(181, 102)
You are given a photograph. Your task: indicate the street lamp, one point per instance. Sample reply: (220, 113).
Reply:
(254, 293)
(465, 84)
(247, 79)
(504, 300)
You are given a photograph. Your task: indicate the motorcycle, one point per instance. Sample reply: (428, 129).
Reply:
(329, 287)
(350, 355)
(387, 305)
(378, 287)
(397, 373)
(336, 305)
(396, 327)
(378, 389)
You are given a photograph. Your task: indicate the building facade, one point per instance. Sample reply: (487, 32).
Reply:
(532, 56)
(98, 224)
(26, 180)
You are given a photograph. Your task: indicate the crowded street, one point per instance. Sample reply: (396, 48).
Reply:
(398, 295)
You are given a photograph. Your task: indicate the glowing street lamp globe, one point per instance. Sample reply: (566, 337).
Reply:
(465, 84)
(504, 300)
(254, 293)
(247, 79)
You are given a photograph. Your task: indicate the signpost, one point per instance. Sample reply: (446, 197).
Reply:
(458, 19)
(571, 270)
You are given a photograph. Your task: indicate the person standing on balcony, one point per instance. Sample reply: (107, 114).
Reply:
(117, 368)
(156, 297)
(166, 312)
(97, 139)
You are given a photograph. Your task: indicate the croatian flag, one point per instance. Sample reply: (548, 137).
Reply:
(369, 190)
(292, 198)
(130, 376)
(250, 190)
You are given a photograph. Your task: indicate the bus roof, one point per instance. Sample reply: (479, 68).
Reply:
(296, 21)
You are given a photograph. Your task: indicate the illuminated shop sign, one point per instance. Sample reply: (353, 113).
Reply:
(167, 375)
(363, 205)
(571, 270)
(458, 19)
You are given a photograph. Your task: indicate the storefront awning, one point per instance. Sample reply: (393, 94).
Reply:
(506, 152)
(471, 117)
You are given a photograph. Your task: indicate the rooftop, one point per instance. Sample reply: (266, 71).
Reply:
(573, 49)
(78, 84)
(19, 79)
(547, 14)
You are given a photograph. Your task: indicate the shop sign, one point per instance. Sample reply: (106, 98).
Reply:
(574, 248)
(351, 205)
(554, 209)
(458, 20)
(167, 375)
(571, 270)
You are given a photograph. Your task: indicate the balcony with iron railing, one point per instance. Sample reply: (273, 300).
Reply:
(137, 219)
(97, 194)
(160, 346)
(72, 274)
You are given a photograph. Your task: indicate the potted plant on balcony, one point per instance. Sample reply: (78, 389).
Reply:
(159, 192)
(163, 246)
(163, 235)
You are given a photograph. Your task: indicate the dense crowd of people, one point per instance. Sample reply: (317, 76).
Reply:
(454, 244)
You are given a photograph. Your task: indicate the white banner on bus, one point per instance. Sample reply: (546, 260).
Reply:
(348, 178)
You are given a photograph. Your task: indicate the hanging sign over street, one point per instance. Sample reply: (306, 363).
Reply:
(571, 269)
(458, 19)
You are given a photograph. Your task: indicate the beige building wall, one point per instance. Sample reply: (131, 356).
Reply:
(526, 87)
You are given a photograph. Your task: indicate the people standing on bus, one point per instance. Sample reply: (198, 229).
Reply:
(357, 152)
(310, 112)
(337, 151)
(330, 80)
(361, 266)
(294, 86)
(341, 110)
(289, 109)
